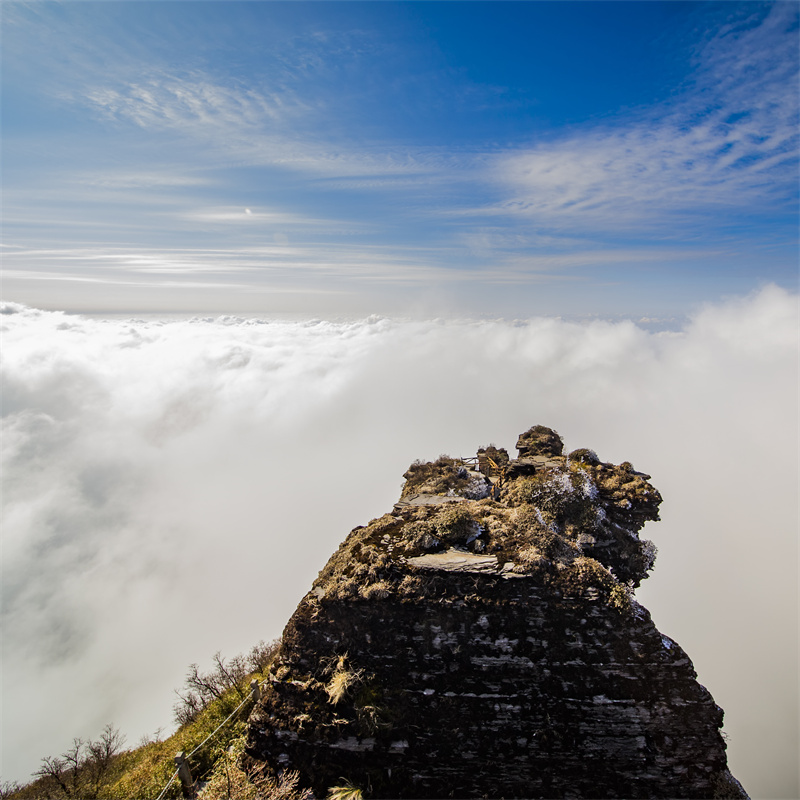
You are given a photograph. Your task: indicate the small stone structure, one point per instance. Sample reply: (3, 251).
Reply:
(491, 647)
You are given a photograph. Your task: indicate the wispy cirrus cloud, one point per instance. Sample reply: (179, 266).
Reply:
(162, 100)
(727, 142)
(728, 139)
(253, 126)
(626, 177)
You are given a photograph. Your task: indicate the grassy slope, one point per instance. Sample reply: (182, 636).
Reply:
(146, 770)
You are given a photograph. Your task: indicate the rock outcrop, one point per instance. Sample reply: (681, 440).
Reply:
(482, 640)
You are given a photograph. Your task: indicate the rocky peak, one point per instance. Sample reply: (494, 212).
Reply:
(482, 640)
(539, 441)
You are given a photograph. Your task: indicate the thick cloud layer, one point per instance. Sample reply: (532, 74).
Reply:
(172, 488)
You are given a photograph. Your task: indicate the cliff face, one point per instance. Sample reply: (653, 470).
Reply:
(482, 641)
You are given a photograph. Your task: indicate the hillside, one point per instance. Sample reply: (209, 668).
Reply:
(211, 711)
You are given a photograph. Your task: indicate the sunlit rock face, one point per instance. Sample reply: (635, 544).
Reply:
(482, 641)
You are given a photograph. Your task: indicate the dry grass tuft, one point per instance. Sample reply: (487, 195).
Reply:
(230, 782)
(342, 681)
(376, 591)
(531, 557)
(345, 792)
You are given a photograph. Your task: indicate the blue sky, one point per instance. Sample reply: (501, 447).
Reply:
(332, 158)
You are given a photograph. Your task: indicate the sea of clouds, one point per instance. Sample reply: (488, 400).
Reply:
(171, 489)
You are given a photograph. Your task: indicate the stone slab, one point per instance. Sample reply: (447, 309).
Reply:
(454, 560)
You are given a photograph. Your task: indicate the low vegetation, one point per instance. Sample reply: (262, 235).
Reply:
(200, 689)
(102, 770)
(445, 476)
(81, 771)
(228, 781)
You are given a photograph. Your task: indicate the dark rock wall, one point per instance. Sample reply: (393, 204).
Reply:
(468, 671)
(472, 698)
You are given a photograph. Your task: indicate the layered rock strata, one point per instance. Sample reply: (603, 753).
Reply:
(482, 640)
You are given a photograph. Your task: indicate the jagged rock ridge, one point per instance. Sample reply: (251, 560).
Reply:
(482, 641)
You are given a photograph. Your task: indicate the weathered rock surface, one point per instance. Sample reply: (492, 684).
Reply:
(490, 646)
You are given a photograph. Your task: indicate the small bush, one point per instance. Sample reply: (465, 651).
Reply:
(411, 584)
(547, 542)
(421, 535)
(584, 456)
(8, 789)
(262, 655)
(203, 687)
(621, 596)
(456, 526)
(649, 553)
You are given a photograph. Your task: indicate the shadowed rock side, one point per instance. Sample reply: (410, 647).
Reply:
(482, 641)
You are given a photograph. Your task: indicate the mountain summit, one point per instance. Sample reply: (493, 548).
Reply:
(482, 640)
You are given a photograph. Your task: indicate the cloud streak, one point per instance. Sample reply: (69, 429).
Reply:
(194, 103)
(254, 128)
(172, 488)
(728, 143)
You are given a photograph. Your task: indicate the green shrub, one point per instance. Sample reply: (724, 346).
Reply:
(152, 766)
(455, 526)
(620, 597)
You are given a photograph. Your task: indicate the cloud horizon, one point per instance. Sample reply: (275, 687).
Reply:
(171, 488)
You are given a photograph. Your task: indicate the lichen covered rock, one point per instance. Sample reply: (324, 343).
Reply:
(486, 644)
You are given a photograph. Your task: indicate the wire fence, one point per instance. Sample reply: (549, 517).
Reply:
(164, 790)
(182, 760)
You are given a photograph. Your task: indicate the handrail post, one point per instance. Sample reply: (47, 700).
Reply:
(185, 775)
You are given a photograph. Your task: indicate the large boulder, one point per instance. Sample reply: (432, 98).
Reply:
(539, 441)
